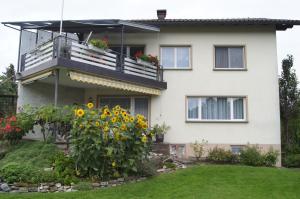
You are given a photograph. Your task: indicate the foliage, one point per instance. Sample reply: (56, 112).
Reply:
(64, 168)
(108, 143)
(148, 168)
(100, 43)
(289, 97)
(252, 156)
(160, 129)
(8, 85)
(170, 165)
(220, 155)
(9, 130)
(205, 181)
(198, 149)
(292, 160)
(147, 58)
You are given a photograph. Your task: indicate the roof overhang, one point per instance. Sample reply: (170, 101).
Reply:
(82, 26)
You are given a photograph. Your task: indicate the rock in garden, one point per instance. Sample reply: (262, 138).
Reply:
(105, 183)
(120, 179)
(58, 185)
(96, 184)
(4, 187)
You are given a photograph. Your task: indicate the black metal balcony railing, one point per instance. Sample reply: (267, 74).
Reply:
(63, 47)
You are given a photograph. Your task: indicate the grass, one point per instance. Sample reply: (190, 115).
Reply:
(30, 153)
(207, 181)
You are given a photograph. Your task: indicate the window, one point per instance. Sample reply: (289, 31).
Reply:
(175, 57)
(128, 51)
(236, 149)
(229, 57)
(216, 109)
(135, 105)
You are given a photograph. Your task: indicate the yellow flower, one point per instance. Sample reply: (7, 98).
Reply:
(97, 123)
(106, 128)
(75, 111)
(90, 105)
(80, 112)
(139, 116)
(144, 125)
(144, 139)
(131, 119)
(123, 127)
(126, 119)
(116, 112)
(113, 164)
(117, 135)
(113, 120)
(102, 116)
(117, 107)
(124, 114)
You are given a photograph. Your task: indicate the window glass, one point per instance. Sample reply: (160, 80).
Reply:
(114, 101)
(167, 57)
(229, 57)
(193, 108)
(221, 57)
(236, 57)
(183, 57)
(238, 108)
(141, 106)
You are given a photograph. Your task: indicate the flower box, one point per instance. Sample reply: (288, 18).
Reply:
(145, 63)
(94, 48)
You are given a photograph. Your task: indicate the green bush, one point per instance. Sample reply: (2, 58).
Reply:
(220, 155)
(252, 156)
(292, 160)
(108, 143)
(83, 186)
(147, 168)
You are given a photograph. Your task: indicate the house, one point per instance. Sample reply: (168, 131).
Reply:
(217, 80)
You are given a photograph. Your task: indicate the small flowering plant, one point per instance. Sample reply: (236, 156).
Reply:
(147, 58)
(108, 143)
(9, 130)
(100, 43)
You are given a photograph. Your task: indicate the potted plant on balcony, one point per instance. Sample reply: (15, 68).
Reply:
(148, 60)
(99, 45)
(159, 131)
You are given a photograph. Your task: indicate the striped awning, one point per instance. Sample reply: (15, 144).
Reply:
(112, 83)
(37, 77)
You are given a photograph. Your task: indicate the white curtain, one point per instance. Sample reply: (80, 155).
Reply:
(236, 57)
(215, 108)
(141, 106)
(167, 57)
(183, 57)
(221, 57)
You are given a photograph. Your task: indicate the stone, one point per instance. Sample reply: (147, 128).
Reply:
(120, 179)
(32, 189)
(58, 185)
(46, 187)
(48, 169)
(96, 184)
(160, 170)
(69, 190)
(4, 187)
(23, 189)
(104, 183)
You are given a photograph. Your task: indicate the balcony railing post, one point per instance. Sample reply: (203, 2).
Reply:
(22, 64)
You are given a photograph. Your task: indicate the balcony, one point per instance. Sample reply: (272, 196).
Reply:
(64, 52)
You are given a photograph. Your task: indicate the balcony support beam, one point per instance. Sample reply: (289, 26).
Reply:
(122, 49)
(56, 82)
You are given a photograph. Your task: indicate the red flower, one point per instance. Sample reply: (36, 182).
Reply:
(18, 129)
(7, 127)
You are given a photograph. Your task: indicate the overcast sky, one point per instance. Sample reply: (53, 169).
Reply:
(288, 42)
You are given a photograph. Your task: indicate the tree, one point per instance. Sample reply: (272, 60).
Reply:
(8, 85)
(289, 96)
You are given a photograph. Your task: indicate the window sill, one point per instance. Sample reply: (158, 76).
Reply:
(230, 69)
(215, 121)
(177, 69)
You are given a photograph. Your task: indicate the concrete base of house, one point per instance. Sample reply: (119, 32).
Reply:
(185, 151)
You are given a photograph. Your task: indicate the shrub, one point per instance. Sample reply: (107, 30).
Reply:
(107, 143)
(100, 43)
(292, 160)
(252, 156)
(198, 149)
(170, 165)
(64, 168)
(10, 131)
(220, 155)
(83, 186)
(147, 168)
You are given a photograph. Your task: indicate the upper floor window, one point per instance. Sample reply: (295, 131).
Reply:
(216, 109)
(229, 57)
(175, 57)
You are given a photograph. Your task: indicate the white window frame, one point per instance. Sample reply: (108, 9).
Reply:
(175, 58)
(228, 55)
(231, 98)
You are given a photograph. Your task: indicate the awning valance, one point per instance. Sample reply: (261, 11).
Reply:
(37, 77)
(81, 77)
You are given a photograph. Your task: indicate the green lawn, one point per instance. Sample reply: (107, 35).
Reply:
(209, 181)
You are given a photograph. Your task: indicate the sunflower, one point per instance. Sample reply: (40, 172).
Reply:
(123, 127)
(126, 119)
(80, 112)
(144, 125)
(131, 119)
(90, 105)
(144, 138)
(113, 120)
(106, 128)
(124, 114)
(97, 123)
(117, 107)
(116, 112)
(102, 116)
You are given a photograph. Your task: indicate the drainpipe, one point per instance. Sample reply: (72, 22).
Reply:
(122, 48)
(56, 81)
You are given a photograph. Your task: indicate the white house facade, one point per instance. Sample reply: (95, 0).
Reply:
(220, 78)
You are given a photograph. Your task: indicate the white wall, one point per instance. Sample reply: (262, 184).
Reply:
(259, 83)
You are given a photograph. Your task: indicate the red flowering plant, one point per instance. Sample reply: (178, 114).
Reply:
(147, 58)
(9, 130)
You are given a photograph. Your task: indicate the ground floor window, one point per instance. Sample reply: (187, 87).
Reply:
(236, 149)
(135, 105)
(216, 109)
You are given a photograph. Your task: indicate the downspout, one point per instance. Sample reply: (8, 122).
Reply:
(122, 48)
